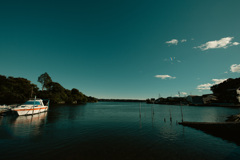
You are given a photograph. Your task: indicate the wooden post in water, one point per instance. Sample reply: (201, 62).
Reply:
(170, 115)
(140, 116)
(140, 110)
(181, 111)
(152, 109)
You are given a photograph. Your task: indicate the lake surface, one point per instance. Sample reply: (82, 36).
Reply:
(115, 130)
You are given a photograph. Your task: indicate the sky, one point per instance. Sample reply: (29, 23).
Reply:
(132, 49)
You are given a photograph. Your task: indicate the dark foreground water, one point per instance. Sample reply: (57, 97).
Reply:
(112, 130)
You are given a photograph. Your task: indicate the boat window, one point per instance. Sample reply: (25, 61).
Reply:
(32, 103)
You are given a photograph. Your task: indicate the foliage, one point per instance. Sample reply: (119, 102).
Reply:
(45, 80)
(19, 90)
(16, 90)
(226, 91)
(77, 96)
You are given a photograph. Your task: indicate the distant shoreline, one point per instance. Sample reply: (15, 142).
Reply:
(201, 105)
(121, 100)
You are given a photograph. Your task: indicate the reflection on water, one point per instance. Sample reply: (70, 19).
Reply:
(114, 130)
(25, 126)
(32, 125)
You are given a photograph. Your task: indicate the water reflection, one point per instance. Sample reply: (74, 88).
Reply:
(24, 126)
(71, 112)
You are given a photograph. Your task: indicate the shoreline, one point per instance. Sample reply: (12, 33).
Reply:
(203, 105)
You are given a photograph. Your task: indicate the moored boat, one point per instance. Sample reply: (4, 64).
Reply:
(32, 106)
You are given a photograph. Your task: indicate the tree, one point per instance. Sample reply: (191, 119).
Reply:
(15, 90)
(78, 96)
(226, 91)
(45, 80)
(19, 90)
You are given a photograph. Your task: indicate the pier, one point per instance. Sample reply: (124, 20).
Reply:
(226, 130)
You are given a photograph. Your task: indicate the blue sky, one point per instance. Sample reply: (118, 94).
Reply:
(122, 49)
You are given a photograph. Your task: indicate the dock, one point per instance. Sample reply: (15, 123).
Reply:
(226, 130)
(223, 127)
(186, 123)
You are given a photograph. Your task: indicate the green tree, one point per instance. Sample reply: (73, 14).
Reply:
(226, 91)
(78, 96)
(45, 80)
(58, 92)
(16, 90)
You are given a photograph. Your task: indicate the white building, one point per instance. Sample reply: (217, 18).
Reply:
(209, 98)
(238, 94)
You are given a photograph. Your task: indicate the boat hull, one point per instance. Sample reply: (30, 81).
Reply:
(29, 111)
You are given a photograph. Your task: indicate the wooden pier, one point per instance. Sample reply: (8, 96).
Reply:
(223, 127)
(226, 130)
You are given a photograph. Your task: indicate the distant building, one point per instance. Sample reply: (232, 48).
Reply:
(158, 100)
(238, 91)
(238, 94)
(209, 98)
(193, 99)
(152, 100)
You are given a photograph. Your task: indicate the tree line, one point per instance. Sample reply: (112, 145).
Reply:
(19, 90)
(226, 91)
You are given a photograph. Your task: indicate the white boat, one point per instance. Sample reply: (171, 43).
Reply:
(33, 106)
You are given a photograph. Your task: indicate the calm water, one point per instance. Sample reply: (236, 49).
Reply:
(115, 130)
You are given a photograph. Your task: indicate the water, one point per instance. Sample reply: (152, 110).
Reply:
(115, 130)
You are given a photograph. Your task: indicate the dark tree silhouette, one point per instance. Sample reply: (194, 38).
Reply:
(18, 90)
(45, 80)
(226, 91)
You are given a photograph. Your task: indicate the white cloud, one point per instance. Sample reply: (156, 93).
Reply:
(235, 43)
(164, 76)
(218, 81)
(204, 86)
(222, 43)
(235, 68)
(173, 41)
(183, 93)
(208, 85)
(183, 40)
